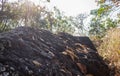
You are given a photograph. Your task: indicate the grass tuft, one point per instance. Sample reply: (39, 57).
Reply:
(109, 49)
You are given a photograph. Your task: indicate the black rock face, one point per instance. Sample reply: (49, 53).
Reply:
(27, 51)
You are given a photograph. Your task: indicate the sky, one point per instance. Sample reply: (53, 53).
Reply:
(71, 7)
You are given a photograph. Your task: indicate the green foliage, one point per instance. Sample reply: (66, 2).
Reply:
(103, 1)
(63, 23)
(102, 20)
(98, 27)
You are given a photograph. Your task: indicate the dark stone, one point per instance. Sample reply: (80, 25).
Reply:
(27, 51)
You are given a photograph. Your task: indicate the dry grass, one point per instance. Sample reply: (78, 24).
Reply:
(109, 49)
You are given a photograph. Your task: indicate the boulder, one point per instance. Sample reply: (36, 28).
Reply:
(27, 51)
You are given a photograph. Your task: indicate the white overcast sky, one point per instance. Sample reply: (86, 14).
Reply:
(71, 7)
(74, 7)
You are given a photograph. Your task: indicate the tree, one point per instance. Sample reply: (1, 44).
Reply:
(62, 23)
(80, 23)
(26, 13)
(102, 19)
(6, 14)
(113, 5)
